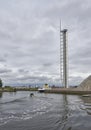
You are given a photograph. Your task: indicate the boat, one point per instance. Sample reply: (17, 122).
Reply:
(89, 95)
(41, 89)
(44, 88)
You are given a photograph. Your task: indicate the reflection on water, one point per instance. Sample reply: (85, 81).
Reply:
(87, 104)
(86, 99)
(53, 111)
(65, 112)
(1, 94)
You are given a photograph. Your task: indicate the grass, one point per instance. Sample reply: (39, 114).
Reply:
(13, 89)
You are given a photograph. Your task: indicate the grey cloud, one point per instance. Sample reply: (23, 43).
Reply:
(23, 71)
(81, 60)
(5, 71)
(2, 59)
(33, 79)
(47, 64)
(75, 80)
(30, 41)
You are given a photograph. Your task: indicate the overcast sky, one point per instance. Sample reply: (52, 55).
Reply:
(30, 40)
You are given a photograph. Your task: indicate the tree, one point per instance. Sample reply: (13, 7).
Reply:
(1, 84)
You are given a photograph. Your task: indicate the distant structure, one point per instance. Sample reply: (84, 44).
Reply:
(85, 84)
(63, 58)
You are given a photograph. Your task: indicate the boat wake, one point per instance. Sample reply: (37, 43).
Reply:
(23, 108)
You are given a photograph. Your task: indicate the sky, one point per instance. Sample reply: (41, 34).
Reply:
(30, 40)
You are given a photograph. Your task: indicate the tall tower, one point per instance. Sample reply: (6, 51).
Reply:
(63, 58)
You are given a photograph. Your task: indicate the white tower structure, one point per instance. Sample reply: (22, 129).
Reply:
(63, 58)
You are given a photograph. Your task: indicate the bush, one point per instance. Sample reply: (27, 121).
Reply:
(1, 84)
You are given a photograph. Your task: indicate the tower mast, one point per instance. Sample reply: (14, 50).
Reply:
(63, 57)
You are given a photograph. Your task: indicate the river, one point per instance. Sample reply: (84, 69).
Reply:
(20, 111)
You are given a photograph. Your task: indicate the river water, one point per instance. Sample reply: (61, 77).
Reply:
(20, 111)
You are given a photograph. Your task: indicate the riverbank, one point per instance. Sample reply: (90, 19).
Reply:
(12, 89)
(71, 91)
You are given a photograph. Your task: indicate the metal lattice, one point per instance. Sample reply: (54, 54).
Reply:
(63, 58)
